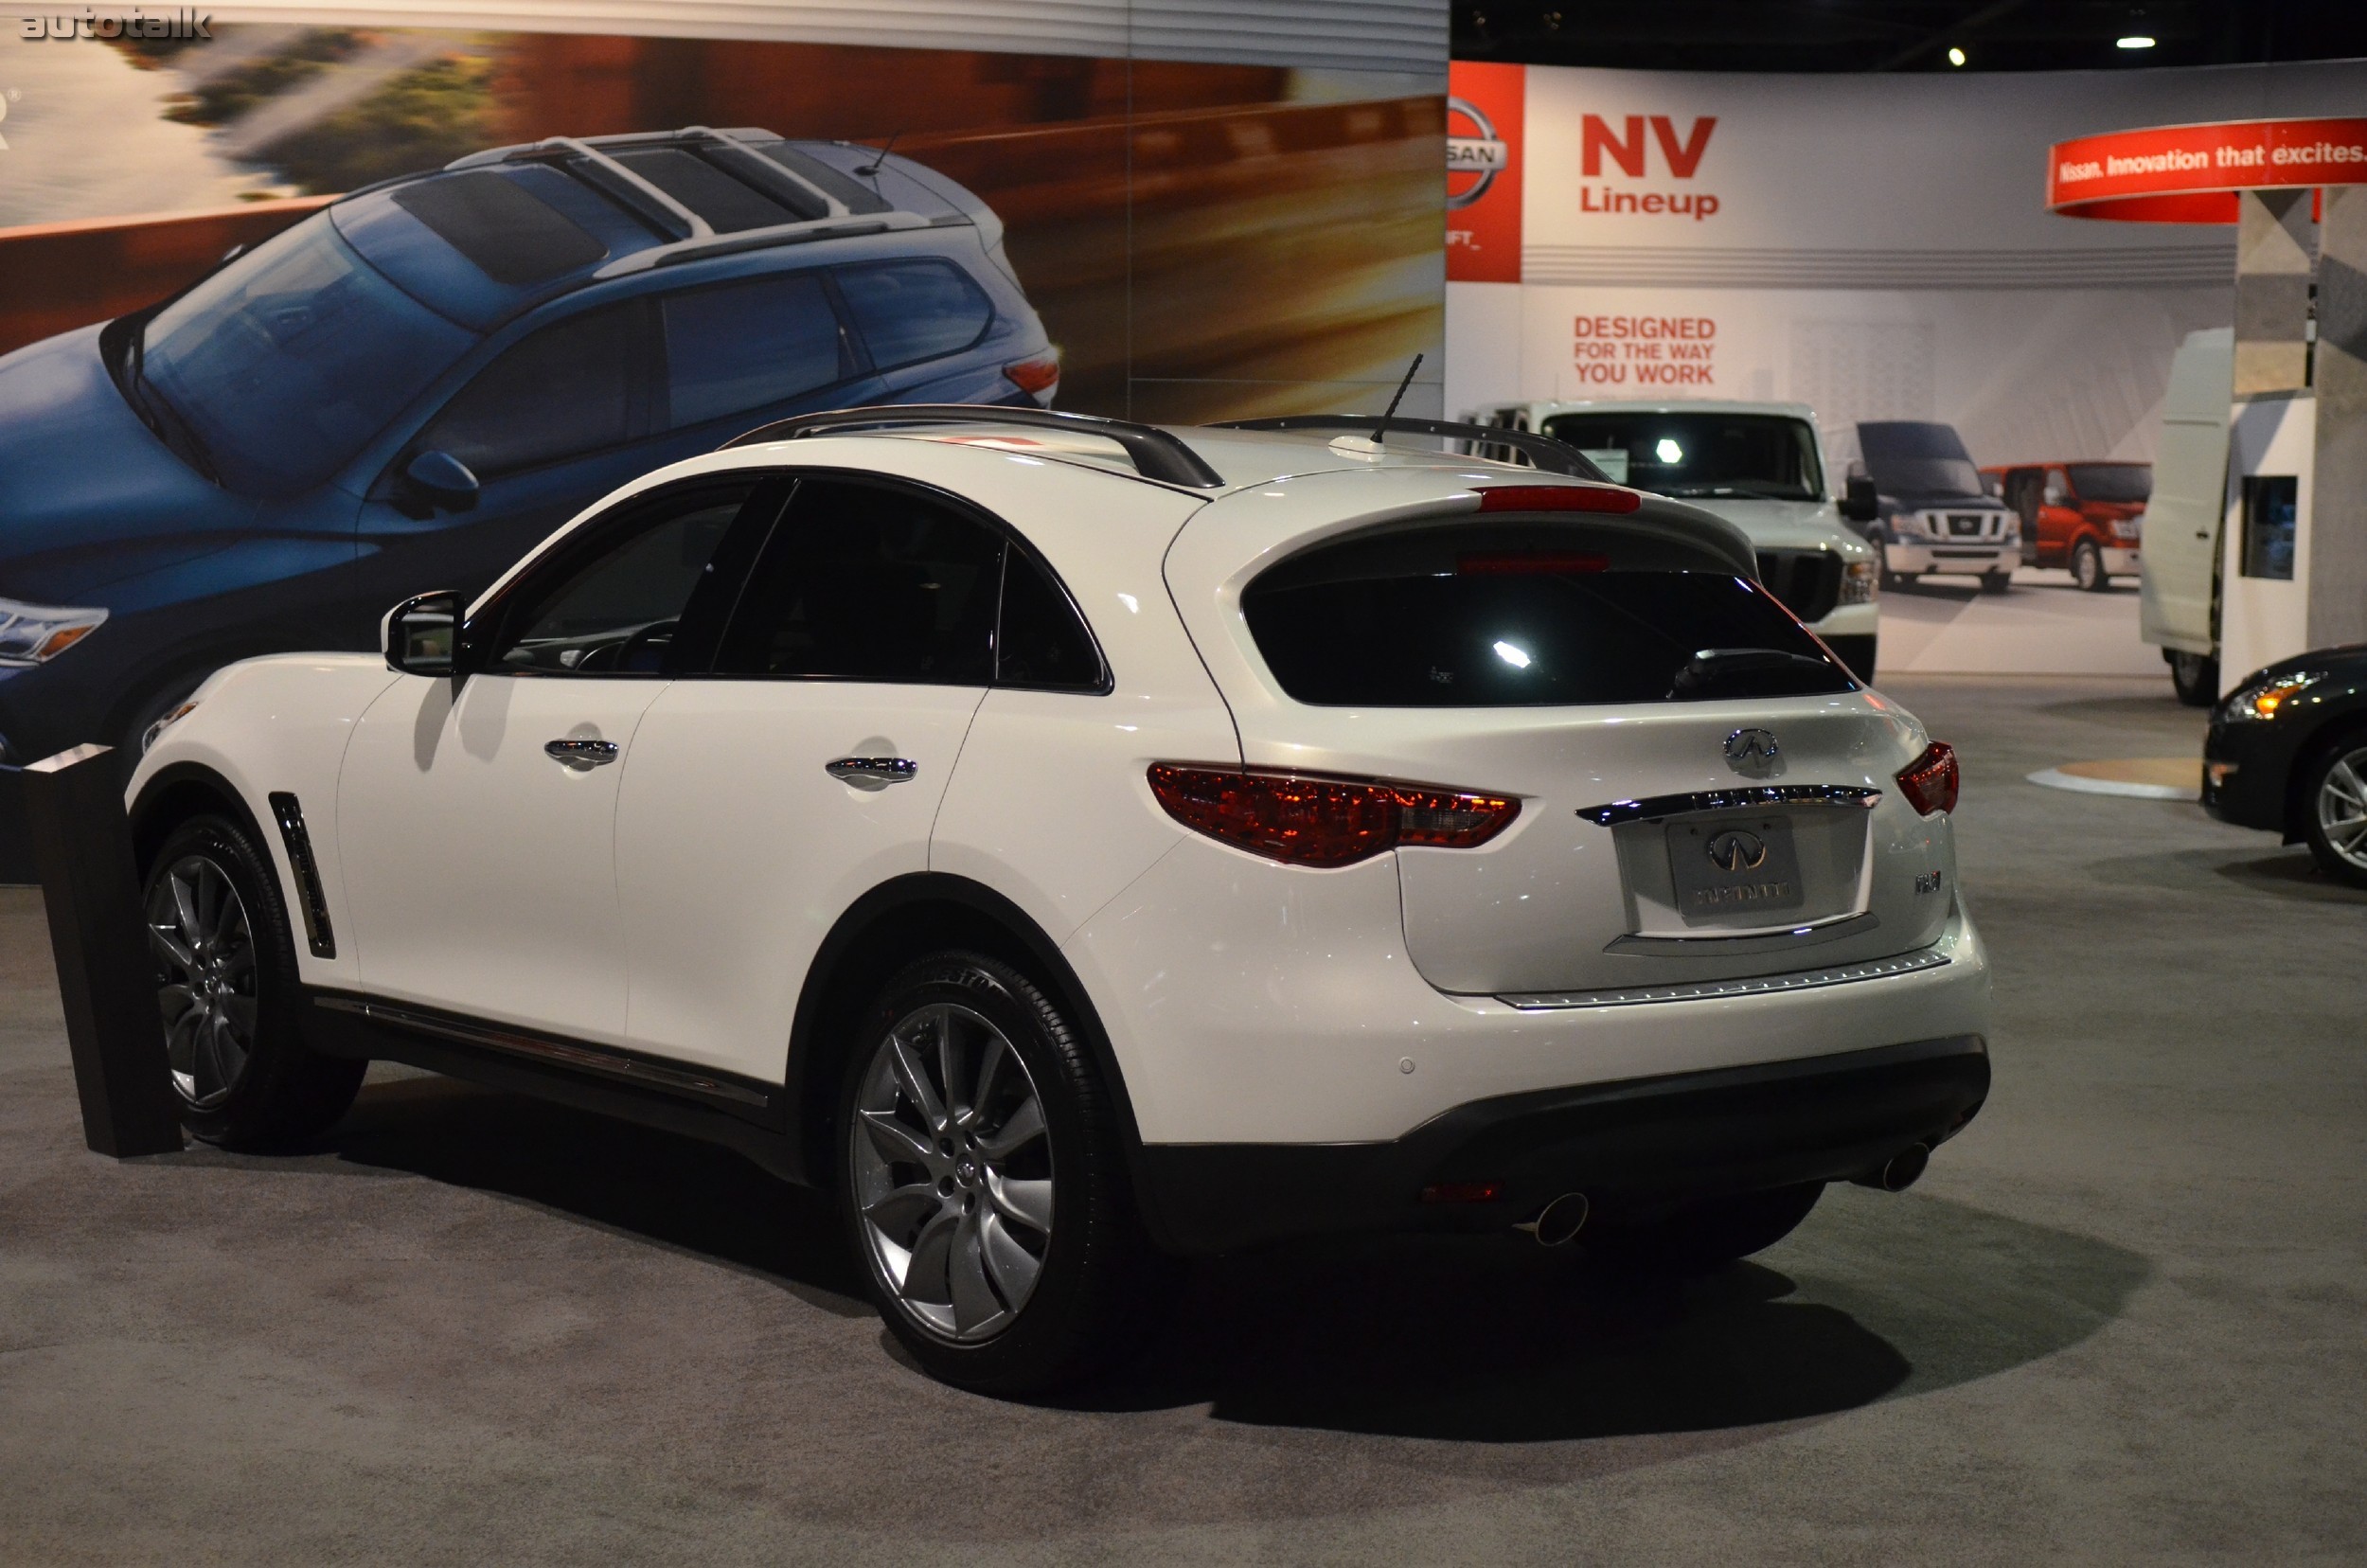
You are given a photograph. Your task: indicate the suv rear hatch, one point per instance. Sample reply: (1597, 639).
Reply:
(1705, 794)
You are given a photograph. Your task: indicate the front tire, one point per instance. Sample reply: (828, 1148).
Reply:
(2334, 810)
(1996, 582)
(983, 1179)
(2087, 567)
(2195, 677)
(1706, 1236)
(226, 989)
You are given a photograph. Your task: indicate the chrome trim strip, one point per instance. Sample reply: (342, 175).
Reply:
(1707, 990)
(311, 903)
(588, 1058)
(1742, 797)
(1716, 947)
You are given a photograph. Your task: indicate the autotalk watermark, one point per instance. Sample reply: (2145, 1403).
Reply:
(186, 22)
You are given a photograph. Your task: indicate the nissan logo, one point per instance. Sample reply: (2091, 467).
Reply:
(1735, 850)
(1753, 753)
(1484, 155)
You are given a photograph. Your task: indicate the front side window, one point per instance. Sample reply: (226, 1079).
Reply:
(909, 311)
(286, 362)
(563, 391)
(869, 582)
(616, 600)
(1524, 615)
(743, 345)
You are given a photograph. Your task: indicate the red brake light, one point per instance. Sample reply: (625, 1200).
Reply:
(1324, 822)
(1593, 498)
(1930, 782)
(1034, 375)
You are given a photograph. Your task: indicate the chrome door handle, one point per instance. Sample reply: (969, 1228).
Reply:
(872, 770)
(582, 756)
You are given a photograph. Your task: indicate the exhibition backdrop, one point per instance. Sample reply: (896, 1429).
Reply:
(1875, 246)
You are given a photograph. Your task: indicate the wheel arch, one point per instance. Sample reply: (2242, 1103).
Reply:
(180, 792)
(890, 926)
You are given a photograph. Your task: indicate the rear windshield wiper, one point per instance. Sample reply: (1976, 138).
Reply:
(1712, 665)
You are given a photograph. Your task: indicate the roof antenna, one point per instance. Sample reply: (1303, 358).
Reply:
(1383, 429)
(871, 170)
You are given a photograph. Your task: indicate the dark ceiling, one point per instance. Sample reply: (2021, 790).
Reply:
(1905, 35)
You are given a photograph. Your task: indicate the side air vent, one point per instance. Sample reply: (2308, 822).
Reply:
(310, 901)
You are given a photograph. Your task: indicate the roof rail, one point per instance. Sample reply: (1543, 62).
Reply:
(1543, 450)
(1156, 454)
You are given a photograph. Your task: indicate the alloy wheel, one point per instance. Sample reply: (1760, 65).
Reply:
(952, 1171)
(204, 949)
(2343, 807)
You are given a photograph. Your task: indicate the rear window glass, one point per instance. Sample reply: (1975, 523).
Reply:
(910, 310)
(1469, 617)
(512, 234)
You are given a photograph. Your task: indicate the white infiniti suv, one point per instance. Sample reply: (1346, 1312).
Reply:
(1071, 841)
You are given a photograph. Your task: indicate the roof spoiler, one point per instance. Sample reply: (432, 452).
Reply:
(1156, 454)
(1542, 452)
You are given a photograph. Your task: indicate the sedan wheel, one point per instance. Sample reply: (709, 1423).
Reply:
(2337, 792)
(205, 949)
(953, 1169)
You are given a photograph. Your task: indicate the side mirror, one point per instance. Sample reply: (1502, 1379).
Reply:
(420, 635)
(1857, 503)
(440, 479)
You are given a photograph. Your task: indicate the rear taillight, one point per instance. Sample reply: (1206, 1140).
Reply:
(1930, 782)
(1036, 376)
(1324, 822)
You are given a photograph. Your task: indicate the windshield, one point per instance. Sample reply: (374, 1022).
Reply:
(1909, 457)
(285, 362)
(2123, 482)
(1765, 456)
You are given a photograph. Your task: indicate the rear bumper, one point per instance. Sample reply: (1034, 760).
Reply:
(1630, 1147)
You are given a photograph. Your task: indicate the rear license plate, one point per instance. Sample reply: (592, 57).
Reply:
(1727, 871)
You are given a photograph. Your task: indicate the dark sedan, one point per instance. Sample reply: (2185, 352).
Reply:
(2287, 752)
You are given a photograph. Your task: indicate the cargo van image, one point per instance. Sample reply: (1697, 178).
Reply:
(1932, 514)
(2178, 608)
(1758, 465)
(2083, 518)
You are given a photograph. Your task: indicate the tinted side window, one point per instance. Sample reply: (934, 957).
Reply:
(744, 345)
(910, 310)
(864, 582)
(616, 609)
(565, 390)
(1042, 643)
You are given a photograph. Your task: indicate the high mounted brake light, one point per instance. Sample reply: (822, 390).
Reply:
(1324, 822)
(1930, 782)
(1591, 498)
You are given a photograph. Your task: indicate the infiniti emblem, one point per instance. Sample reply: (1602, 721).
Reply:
(1753, 753)
(1735, 850)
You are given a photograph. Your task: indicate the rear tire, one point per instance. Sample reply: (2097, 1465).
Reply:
(2334, 810)
(1706, 1236)
(228, 991)
(983, 1180)
(2196, 676)
(2087, 567)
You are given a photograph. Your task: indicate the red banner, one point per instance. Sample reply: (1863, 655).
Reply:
(2191, 173)
(1484, 111)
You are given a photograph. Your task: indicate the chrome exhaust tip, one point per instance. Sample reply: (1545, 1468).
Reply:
(1900, 1171)
(1560, 1222)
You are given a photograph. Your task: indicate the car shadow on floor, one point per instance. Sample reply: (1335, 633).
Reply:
(2290, 873)
(1480, 1339)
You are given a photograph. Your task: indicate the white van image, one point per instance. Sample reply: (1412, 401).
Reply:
(2179, 609)
(1758, 465)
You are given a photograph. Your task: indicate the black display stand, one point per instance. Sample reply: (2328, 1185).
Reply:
(82, 843)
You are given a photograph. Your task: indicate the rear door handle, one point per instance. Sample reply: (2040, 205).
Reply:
(582, 756)
(872, 770)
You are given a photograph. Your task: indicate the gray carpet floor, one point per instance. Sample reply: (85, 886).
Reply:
(2123, 1319)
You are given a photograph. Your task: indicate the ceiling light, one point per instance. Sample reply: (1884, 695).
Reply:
(2134, 40)
(1956, 57)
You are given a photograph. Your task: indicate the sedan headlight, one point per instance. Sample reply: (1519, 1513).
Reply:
(2264, 698)
(1857, 582)
(36, 634)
